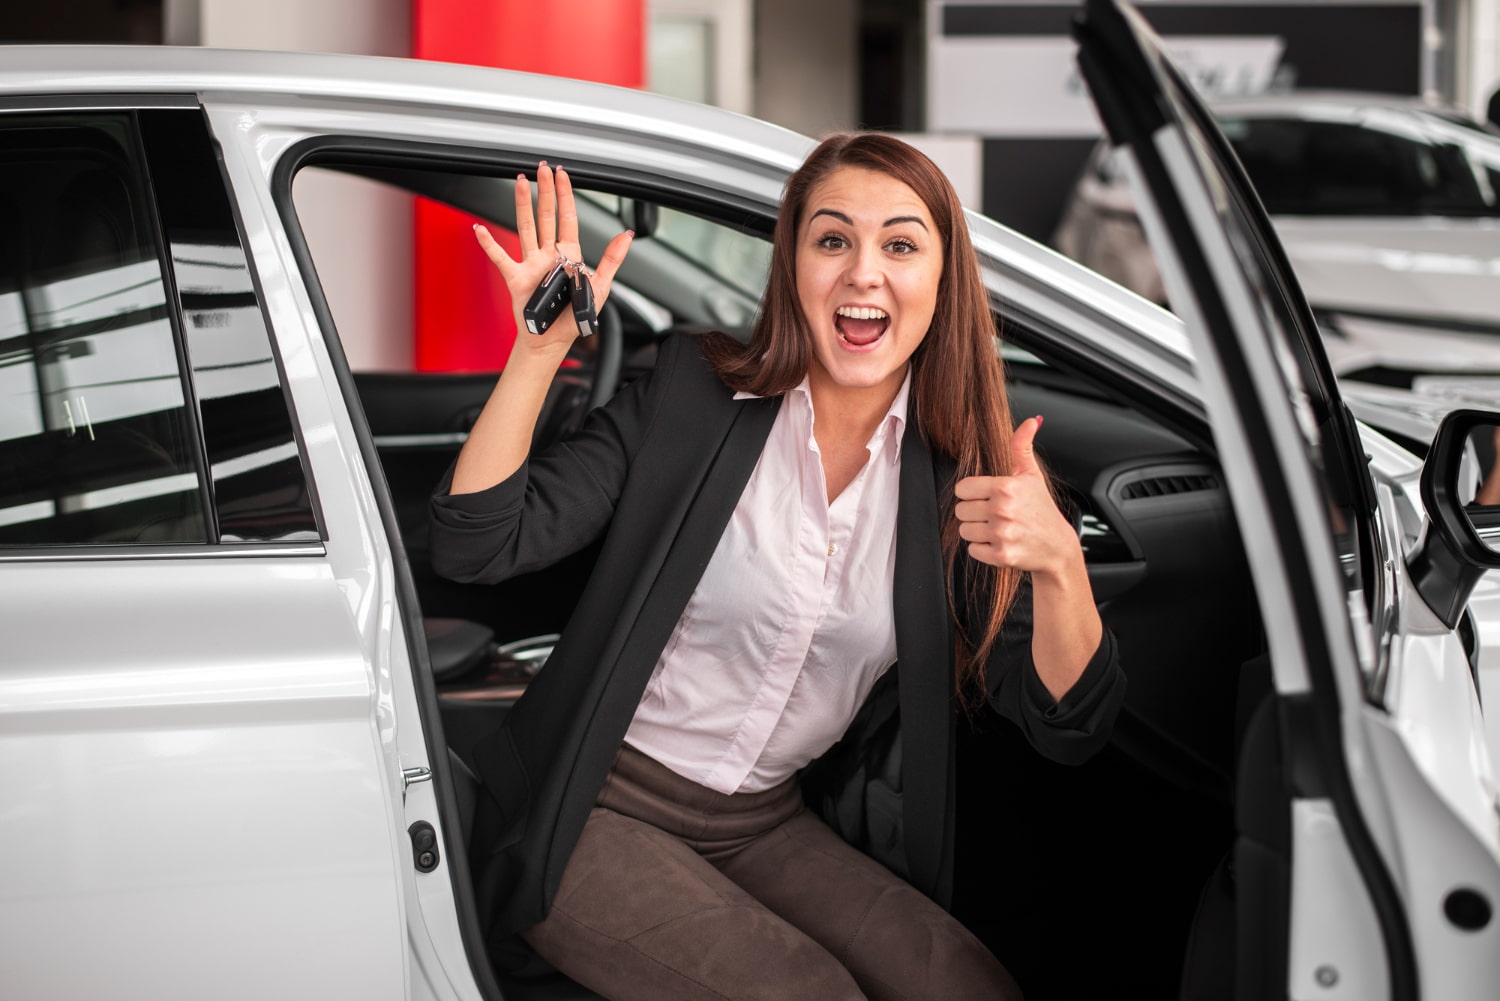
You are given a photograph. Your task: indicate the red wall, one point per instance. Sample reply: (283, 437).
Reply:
(463, 312)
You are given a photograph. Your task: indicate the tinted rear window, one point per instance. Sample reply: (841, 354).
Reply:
(1334, 168)
(96, 439)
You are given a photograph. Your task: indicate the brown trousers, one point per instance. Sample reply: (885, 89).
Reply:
(679, 892)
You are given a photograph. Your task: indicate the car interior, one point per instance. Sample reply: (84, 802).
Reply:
(1112, 878)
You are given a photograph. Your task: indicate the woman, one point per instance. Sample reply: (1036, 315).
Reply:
(781, 522)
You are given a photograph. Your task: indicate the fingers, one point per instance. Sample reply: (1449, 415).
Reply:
(547, 231)
(567, 209)
(539, 229)
(1009, 521)
(975, 487)
(614, 256)
(984, 503)
(984, 509)
(525, 221)
(985, 553)
(984, 531)
(546, 206)
(999, 543)
(1022, 448)
(494, 251)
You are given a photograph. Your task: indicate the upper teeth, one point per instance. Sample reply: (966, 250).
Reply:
(861, 312)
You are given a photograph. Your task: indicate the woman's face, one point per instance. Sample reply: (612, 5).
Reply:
(869, 257)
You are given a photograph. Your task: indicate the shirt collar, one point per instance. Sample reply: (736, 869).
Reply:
(890, 430)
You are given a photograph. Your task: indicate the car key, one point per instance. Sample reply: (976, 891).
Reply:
(583, 303)
(546, 303)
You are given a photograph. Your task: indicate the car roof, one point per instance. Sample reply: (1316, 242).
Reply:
(374, 81)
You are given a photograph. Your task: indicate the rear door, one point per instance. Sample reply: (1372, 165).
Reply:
(1347, 857)
(194, 717)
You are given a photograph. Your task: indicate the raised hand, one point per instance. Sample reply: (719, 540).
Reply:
(1012, 521)
(550, 232)
(501, 437)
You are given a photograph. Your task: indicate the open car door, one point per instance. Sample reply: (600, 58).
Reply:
(1365, 860)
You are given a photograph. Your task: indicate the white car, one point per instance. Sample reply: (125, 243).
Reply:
(1389, 209)
(235, 703)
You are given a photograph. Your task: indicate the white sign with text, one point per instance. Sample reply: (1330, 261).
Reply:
(1029, 86)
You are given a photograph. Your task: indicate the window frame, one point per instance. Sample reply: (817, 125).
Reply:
(211, 546)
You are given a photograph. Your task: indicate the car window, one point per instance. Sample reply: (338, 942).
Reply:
(96, 444)
(739, 259)
(425, 324)
(103, 441)
(691, 271)
(257, 479)
(1374, 167)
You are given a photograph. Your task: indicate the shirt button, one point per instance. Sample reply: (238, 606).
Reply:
(832, 549)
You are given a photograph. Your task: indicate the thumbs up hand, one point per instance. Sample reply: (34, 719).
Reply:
(1012, 521)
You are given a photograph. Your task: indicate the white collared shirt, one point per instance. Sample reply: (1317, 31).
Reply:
(791, 624)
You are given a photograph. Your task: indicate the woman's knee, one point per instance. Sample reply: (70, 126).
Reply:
(908, 948)
(728, 953)
(638, 915)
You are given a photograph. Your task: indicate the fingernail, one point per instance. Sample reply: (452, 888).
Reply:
(542, 163)
(476, 227)
(630, 233)
(520, 177)
(1039, 420)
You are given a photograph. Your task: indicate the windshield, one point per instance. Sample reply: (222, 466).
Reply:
(1376, 163)
(741, 260)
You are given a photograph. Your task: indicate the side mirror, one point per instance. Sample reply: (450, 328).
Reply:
(1461, 492)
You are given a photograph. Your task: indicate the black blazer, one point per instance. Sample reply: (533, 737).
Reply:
(657, 474)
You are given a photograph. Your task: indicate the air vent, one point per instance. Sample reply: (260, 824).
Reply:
(1165, 486)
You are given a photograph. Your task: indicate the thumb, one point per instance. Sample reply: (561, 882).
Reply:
(1022, 457)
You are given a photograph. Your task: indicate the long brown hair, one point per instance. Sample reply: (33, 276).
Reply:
(957, 384)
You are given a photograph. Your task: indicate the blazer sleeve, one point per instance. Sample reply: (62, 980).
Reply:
(559, 501)
(1069, 730)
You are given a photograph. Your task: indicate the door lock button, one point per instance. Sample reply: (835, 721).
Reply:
(424, 846)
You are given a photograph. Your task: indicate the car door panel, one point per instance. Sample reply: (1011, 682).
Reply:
(1297, 477)
(153, 733)
(197, 725)
(365, 551)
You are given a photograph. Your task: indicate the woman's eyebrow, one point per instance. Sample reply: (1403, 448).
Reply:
(850, 222)
(837, 215)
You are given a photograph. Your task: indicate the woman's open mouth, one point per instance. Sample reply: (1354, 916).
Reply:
(860, 326)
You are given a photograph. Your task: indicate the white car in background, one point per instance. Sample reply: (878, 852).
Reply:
(1388, 207)
(236, 705)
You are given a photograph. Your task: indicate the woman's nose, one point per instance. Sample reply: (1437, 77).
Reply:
(864, 269)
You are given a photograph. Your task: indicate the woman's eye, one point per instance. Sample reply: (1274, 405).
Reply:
(832, 242)
(901, 246)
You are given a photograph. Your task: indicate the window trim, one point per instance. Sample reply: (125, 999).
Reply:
(97, 102)
(158, 232)
(159, 551)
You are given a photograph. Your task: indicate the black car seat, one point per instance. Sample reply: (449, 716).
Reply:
(1237, 947)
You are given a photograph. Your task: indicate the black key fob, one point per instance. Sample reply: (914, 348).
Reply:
(547, 302)
(583, 304)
